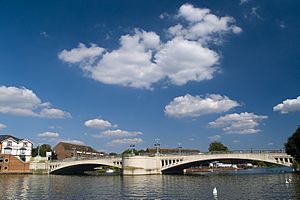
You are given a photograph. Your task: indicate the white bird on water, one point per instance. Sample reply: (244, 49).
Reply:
(286, 181)
(215, 191)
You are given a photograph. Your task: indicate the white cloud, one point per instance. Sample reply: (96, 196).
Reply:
(243, 123)
(81, 53)
(215, 137)
(236, 141)
(203, 25)
(54, 113)
(164, 15)
(118, 133)
(288, 105)
(194, 106)
(125, 141)
(182, 60)
(142, 59)
(243, 1)
(98, 123)
(255, 13)
(73, 141)
(2, 126)
(48, 135)
(24, 102)
(44, 34)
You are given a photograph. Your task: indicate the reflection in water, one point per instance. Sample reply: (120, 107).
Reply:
(229, 186)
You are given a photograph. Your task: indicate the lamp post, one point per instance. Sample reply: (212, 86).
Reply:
(39, 150)
(132, 148)
(157, 145)
(179, 147)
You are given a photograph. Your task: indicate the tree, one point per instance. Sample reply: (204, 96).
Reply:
(42, 148)
(112, 154)
(217, 146)
(129, 151)
(136, 152)
(292, 147)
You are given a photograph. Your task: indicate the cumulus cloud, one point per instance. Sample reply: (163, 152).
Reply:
(142, 59)
(2, 126)
(125, 141)
(288, 105)
(48, 135)
(203, 25)
(194, 106)
(118, 133)
(215, 137)
(24, 102)
(98, 123)
(243, 1)
(73, 141)
(243, 123)
(182, 60)
(81, 53)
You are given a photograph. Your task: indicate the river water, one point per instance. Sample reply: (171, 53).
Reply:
(237, 185)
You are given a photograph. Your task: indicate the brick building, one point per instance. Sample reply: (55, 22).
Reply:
(11, 164)
(65, 150)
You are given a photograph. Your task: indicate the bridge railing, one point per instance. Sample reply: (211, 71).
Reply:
(85, 158)
(245, 152)
(220, 152)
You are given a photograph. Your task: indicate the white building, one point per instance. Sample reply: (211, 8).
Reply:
(20, 148)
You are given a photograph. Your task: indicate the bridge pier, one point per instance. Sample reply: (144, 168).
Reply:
(141, 165)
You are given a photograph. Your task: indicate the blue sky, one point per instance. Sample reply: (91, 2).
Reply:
(113, 73)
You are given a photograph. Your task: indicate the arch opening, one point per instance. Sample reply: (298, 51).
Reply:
(79, 169)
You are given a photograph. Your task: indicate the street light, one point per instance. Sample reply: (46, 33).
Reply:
(132, 148)
(157, 145)
(179, 147)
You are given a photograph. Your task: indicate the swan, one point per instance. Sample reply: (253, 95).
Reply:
(286, 181)
(215, 191)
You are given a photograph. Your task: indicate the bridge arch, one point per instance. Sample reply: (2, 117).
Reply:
(176, 166)
(80, 166)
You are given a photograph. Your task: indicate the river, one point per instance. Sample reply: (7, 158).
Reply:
(253, 184)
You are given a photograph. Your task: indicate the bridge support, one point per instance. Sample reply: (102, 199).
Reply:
(141, 165)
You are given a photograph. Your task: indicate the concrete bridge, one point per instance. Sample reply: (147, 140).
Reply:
(79, 166)
(165, 164)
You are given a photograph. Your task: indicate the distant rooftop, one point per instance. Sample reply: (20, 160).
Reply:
(4, 137)
(78, 147)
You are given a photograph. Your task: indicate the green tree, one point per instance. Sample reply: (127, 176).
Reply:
(292, 147)
(129, 151)
(112, 154)
(217, 146)
(43, 149)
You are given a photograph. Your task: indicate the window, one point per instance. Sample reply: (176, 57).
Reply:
(9, 143)
(1, 158)
(25, 144)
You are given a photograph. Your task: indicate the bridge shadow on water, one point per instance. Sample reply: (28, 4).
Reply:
(77, 169)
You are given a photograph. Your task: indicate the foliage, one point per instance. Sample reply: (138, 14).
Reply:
(43, 149)
(129, 151)
(292, 147)
(136, 152)
(217, 146)
(112, 154)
